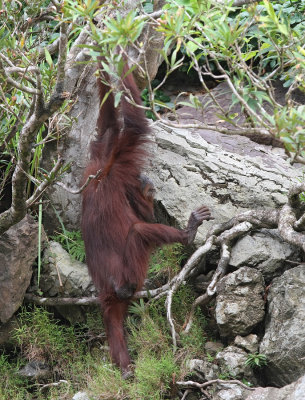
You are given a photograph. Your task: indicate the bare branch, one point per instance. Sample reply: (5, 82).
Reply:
(18, 85)
(53, 47)
(45, 184)
(286, 224)
(98, 175)
(299, 225)
(212, 382)
(153, 293)
(178, 280)
(237, 131)
(61, 301)
(86, 301)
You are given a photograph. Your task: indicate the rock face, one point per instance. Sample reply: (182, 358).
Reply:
(239, 302)
(267, 253)
(284, 339)
(18, 251)
(248, 343)
(294, 391)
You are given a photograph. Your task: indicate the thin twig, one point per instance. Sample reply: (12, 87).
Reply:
(98, 176)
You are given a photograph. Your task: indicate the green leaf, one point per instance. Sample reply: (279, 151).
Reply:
(192, 47)
(117, 98)
(270, 11)
(48, 58)
(249, 55)
(185, 103)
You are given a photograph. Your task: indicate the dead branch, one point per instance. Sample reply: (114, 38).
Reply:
(60, 301)
(179, 279)
(192, 384)
(53, 47)
(51, 176)
(23, 71)
(87, 301)
(224, 240)
(98, 175)
(286, 224)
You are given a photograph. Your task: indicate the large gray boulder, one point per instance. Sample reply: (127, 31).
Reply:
(239, 302)
(18, 251)
(284, 339)
(62, 276)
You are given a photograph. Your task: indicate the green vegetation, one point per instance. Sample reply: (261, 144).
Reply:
(256, 360)
(162, 101)
(21, 47)
(166, 261)
(73, 243)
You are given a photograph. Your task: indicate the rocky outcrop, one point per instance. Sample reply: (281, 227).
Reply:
(284, 339)
(188, 171)
(18, 251)
(239, 302)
